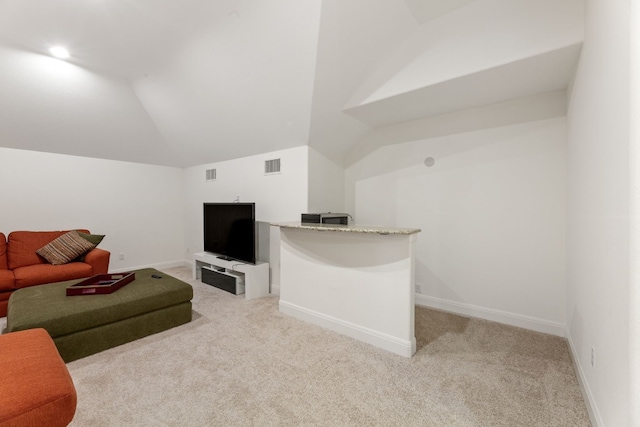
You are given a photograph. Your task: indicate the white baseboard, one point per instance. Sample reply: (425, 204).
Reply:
(378, 339)
(594, 414)
(158, 266)
(512, 319)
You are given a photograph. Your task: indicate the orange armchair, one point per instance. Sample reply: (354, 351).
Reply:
(35, 387)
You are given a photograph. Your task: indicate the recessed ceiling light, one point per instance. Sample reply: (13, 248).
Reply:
(59, 52)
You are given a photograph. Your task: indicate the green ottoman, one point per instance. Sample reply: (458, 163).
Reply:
(87, 324)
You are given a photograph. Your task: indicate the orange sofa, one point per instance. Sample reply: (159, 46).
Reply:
(21, 266)
(36, 388)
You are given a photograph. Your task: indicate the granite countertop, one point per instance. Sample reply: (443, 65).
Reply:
(354, 228)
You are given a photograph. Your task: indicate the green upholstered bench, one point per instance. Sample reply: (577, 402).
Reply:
(87, 324)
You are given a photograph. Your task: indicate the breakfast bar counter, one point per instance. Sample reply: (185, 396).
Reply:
(356, 280)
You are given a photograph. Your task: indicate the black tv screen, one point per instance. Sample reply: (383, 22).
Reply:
(229, 231)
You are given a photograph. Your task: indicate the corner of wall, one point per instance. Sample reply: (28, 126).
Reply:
(594, 415)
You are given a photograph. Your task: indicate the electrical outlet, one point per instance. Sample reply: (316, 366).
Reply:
(418, 288)
(593, 357)
(121, 256)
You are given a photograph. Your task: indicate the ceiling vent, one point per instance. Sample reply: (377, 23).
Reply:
(271, 166)
(211, 174)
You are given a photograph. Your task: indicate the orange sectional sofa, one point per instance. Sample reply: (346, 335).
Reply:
(21, 266)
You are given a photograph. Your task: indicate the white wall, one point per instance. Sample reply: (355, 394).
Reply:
(279, 198)
(492, 214)
(598, 212)
(138, 207)
(326, 184)
(634, 300)
(152, 214)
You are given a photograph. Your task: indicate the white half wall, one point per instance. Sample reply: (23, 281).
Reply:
(138, 207)
(598, 279)
(492, 214)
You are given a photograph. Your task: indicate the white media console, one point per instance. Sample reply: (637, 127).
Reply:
(256, 277)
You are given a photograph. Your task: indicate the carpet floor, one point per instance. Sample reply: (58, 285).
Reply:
(244, 363)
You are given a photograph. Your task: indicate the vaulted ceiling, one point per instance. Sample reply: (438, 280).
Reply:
(189, 82)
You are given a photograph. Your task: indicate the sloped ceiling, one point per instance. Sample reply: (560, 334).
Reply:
(356, 36)
(476, 55)
(425, 11)
(199, 81)
(166, 82)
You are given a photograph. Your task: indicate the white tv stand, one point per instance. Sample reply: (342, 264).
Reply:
(256, 277)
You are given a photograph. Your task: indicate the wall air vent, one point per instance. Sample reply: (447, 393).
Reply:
(211, 174)
(271, 166)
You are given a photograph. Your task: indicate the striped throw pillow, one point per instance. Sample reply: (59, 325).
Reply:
(65, 248)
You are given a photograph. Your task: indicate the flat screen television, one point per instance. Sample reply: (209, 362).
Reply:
(230, 231)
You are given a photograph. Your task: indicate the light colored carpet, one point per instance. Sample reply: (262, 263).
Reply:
(244, 363)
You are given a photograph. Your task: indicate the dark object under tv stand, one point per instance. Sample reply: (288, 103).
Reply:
(256, 276)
